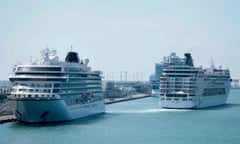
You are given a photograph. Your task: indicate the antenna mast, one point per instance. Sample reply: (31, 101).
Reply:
(212, 63)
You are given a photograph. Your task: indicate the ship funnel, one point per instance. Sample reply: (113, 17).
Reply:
(189, 60)
(72, 57)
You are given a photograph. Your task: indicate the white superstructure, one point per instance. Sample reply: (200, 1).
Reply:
(50, 90)
(186, 86)
(172, 59)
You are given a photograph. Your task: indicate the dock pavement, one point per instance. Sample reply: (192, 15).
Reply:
(132, 97)
(7, 118)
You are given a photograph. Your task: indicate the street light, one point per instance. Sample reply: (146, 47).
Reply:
(125, 75)
(121, 76)
(112, 76)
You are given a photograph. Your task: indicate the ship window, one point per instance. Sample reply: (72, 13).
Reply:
(47, 85)
(55, 90)
(56, 85)
(214, 91)
(37, 69)
(24, 84)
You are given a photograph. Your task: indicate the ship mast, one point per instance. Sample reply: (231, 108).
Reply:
(212, 64)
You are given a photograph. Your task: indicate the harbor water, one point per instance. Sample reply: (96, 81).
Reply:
(140, 121)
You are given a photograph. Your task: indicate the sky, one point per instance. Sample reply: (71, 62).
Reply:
(121, 36)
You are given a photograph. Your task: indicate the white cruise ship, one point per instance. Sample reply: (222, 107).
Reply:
(50, 90)
(186, 86)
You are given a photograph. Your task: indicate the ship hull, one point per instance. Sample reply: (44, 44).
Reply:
(155, 93)
(210, 101)
(54, 110)
(177, 104)
(201, 102)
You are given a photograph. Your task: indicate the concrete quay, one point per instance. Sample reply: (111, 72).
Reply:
(7, 118)
(133, 97)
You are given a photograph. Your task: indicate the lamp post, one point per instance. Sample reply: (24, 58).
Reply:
(112, 76)
(137, 76)
(125, 76)
(121, 76)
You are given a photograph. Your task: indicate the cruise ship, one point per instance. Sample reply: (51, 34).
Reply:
(50, 90)
(185, 86)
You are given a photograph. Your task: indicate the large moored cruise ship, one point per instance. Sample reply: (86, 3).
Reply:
(186, 86)
(50, 90)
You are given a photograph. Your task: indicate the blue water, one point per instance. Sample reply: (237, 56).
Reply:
(139, 121)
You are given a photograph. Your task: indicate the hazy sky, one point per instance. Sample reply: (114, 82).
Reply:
(124, 35)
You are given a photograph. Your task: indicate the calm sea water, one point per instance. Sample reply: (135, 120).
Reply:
(139, 121)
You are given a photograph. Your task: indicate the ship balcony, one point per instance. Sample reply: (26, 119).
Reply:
(36, 78)
(179, 75)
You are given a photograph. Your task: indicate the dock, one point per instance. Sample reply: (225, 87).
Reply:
(133, 97)
(7, 118)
